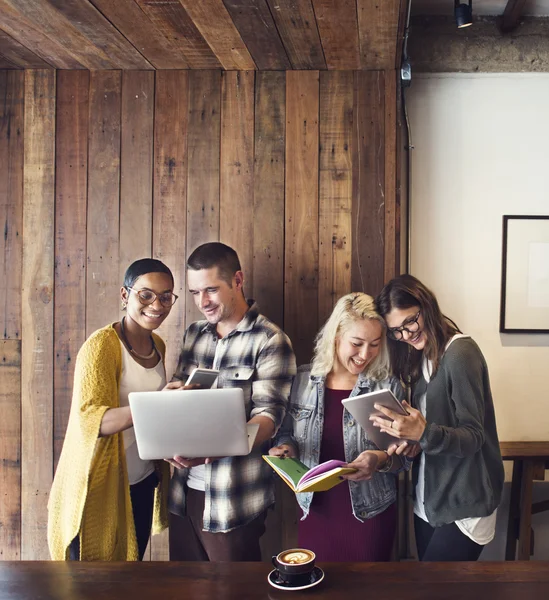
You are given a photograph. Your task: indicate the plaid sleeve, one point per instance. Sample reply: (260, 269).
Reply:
(275, 370)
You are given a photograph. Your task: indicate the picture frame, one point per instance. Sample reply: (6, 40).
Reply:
(525, 274)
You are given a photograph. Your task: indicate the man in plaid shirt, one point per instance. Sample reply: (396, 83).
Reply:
(218, 506)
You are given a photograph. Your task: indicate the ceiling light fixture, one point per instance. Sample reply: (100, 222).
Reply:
(463, 14)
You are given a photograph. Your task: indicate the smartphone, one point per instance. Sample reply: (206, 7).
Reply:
(205, 378)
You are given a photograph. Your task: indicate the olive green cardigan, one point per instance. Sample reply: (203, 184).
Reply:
(90, 495)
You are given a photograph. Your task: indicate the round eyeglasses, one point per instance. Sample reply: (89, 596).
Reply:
(147, 297)
(411, 326)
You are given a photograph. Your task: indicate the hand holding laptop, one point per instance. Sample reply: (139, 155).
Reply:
(180, 385)
(180, 462)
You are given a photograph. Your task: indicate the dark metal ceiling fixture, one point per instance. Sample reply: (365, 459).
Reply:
(463, 13)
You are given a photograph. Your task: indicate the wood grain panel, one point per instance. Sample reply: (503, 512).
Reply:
(338, 29)
(215, 24)
(203, 170)
(31, 34)
(12, 89)
(37, 296)
(268, 233)
(257, 29)
(236, 203)
(103, 278)
(301, 245)
(171, 19)
(403, 12)
(368, 183)
(6, 64)
(268, 260)
(105, 38)
(336, 187)
(392, 209)
(136, 168)
(65, 31)
(296, 23)
(10, 450)
(71, 171)
(136, 26)
(20, 56)
(170, 196)
(378, 29)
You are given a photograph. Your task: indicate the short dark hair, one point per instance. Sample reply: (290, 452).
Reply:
(406, 291)
(215, 254)
(143, 266)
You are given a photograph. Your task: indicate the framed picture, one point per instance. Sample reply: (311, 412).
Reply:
(525, 275)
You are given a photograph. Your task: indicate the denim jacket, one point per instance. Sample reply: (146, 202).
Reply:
(302, 427)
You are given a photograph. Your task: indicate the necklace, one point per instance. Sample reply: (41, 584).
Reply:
(125, 339)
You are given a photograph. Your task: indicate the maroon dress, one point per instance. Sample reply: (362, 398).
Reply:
(331, 530)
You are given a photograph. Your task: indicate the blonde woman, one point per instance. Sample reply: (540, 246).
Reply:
(354, 521)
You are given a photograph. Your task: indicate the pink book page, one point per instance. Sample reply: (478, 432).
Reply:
(322, 468)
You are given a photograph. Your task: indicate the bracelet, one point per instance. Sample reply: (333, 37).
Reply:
(388, 464)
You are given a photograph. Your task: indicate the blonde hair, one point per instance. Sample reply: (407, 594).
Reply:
(348, 310)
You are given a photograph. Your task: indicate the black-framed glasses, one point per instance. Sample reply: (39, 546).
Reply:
(411, 326)
(147, 297)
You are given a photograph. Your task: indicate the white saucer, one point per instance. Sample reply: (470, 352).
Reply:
(317, 575)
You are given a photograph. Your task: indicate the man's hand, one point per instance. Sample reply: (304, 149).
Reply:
(283, 451)
(180, 462)
(179, 385)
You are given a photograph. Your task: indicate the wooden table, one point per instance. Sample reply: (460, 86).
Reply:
(247, 581)
(529, 463)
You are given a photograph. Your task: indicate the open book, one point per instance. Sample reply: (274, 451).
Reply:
(302, 479)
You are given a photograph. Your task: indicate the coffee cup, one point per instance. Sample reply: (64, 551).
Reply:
(295, 566)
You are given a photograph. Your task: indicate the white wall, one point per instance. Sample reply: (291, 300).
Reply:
(481, 150)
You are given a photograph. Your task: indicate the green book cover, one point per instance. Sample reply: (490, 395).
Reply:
(300, 478)
(288, 468)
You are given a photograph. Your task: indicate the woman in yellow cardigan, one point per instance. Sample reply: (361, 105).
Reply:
(105, 499)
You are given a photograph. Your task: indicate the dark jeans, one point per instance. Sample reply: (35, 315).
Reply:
(446, 543)
(189, 542)
(142, 495)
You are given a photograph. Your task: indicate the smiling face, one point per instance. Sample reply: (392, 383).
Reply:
(406, 317)
(150, 316)
(214, 297)
(358, 344)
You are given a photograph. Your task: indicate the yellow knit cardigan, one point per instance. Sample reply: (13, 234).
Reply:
(90, 495)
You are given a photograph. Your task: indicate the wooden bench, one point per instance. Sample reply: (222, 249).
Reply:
(529, 464)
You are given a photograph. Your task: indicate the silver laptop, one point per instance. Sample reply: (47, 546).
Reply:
(191, 423)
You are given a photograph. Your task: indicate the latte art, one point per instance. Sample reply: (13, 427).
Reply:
(296, 557)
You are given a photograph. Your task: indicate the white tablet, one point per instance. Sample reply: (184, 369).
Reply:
(191, 423)
(362, 408)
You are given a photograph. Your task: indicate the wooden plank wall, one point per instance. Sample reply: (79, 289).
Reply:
(297, 170)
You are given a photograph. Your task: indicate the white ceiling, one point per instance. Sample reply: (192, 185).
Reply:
(536, 8)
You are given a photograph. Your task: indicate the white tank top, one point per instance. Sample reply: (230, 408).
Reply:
(136, 378)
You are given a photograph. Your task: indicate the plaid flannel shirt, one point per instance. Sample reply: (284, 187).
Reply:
(257, 356)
